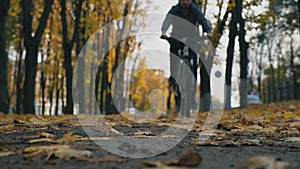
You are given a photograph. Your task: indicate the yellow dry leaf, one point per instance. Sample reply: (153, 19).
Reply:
(72, 153)
(41, 140)
(44, 148)
(59, 151)
(253, 127)
(264, 162)
(39, 120)
(288, 115)
(6, 127)
(69, 137)
(7, 153)
(45, 135)
(36, 150)
(127, 115)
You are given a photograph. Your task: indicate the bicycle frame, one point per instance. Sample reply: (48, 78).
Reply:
(185, 78)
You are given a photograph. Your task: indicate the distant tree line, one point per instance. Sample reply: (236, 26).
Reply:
(40, 42)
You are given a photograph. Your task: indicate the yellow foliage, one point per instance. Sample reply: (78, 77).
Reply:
(144, 87)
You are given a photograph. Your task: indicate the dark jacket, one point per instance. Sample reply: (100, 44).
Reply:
(180, 28)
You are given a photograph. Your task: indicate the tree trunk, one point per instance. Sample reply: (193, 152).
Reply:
(32, 45)
(279, 81)
(269, 90)
(298, 10)
(229, 60)
(51, 93)
(19, 99)
(56, 94)
(293, 70)
(260, 69)
(67, 47)
(81, 65)
(97, 81)
(91, 102)
(118, 88)
(273, 93)
(80, 84)
(104, 88)
(43, 88)
(30, 74)
(62, 79)
(243, 55)
(205, 95)
(4, 6)
(69, 76)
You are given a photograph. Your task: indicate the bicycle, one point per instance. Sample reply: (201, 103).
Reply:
(185, 77)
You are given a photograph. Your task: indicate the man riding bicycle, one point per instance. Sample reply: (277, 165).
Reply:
(192, 13)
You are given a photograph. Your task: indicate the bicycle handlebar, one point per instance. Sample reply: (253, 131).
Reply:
(184, 39)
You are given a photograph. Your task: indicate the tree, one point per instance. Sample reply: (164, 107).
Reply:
(32, 41)
(4, 6)
(237, 27)
(243, 55)
(68, 44)
(229, 60)
(274, 24)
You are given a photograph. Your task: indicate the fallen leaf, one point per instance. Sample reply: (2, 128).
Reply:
(205, 143)
(7, 153)
(6, 128)
(59, 151)
(40, 140)
(251, 142)
(264, 162)
(190, 159)
(39, 120)
(254, 127)
(228, 143)
(292, 139)
(187, 160)
(247, 121)
(69, 137)
(16, 121)
(104, 159)
(45, 135)
(67, 154)
(160, 165)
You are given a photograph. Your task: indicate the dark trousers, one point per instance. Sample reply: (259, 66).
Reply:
(175, 46)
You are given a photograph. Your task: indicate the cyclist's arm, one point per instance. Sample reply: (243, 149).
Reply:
(203, 21)
(167, 22)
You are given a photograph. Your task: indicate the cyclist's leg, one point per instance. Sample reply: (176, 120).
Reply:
(169, 99)
(174, 68)
(194, 68)
(185, 87)
(174, 64)
(205, 90)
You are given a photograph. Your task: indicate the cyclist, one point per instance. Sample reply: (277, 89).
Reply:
(188, 11)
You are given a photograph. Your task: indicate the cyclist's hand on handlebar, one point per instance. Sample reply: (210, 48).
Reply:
(164, 36)
(209, 35)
